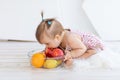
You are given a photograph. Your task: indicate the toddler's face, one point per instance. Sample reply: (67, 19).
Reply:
(50, 42)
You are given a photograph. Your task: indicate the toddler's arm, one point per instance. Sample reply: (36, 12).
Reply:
(77, 47)
(88, 53)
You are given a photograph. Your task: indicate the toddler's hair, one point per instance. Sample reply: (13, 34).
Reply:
(49, 27)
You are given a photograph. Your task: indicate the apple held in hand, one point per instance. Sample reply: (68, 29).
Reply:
(57, 52)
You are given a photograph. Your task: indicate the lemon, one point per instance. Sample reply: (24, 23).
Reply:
(50, 64)
(59, 62)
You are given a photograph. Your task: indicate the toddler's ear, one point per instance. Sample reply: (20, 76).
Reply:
(59, 37)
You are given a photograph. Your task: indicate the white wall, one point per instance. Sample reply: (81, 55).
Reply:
(73, 16)
(19, 18)
(105, 16)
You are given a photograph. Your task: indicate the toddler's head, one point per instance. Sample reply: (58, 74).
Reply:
(50, 32)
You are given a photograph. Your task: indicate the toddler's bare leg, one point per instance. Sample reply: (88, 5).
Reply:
(88, 53)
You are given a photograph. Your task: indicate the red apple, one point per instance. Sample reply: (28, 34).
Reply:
(48, 52)
(57, 52)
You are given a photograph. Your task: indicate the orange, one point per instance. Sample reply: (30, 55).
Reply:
(38, 59)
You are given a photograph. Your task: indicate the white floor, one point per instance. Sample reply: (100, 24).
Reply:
(14, 65)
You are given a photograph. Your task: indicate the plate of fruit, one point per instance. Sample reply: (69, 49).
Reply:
(48, 58)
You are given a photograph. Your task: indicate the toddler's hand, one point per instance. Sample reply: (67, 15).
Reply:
(68, 55)
(68, 59)
(69, 62)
